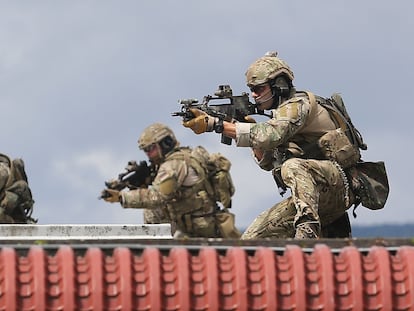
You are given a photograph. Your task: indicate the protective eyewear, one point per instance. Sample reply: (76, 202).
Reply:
(258, 88)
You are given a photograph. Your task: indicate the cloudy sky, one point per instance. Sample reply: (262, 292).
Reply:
(80, 80)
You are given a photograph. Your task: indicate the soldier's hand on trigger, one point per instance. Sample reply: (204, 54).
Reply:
(201, 122)
(112, 196)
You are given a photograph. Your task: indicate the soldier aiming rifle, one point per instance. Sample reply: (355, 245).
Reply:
(135, 176)
(237, 108)
(182, 192)
(311, 147)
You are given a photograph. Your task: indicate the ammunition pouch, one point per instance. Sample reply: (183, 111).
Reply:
(202, 225)
(197, 225)
(369, 183)
(225, 222)
(336, 146)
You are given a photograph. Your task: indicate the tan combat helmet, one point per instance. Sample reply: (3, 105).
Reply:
(154, 134)
(267, 68)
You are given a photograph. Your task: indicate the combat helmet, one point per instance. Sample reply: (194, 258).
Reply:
(157, 133)
(267, 68)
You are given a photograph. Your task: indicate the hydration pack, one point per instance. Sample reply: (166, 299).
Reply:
(218, 175)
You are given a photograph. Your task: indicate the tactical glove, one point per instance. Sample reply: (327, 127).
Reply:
(249, 119)
(202, 122)
(112, 196)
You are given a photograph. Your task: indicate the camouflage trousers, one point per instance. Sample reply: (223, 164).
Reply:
(158, 216)
(155, 216)
(319, 197)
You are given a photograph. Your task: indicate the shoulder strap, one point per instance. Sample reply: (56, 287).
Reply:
(337, 118)
(342, 119)
(312, 99)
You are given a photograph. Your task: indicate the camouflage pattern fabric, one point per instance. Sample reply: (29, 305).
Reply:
(295, 121)
(317, 198)
(4, 177)
(155, 216)
(179, 186)
(369, 181)
(320, 191)
(16, 202)
(4, 174)
(276, 222)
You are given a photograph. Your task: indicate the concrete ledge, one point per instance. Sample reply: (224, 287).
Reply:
(97, 232)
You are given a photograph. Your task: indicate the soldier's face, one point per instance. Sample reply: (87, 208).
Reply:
(153, 153)
(262, 94)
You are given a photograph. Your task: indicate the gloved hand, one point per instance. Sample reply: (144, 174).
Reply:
(112, 196)
(249, 119)
(202, 122)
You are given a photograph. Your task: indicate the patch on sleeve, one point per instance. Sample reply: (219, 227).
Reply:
(168, 186)
(289, 112)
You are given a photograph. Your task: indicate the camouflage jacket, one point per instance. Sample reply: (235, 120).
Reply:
(179, 185)
(294, 128)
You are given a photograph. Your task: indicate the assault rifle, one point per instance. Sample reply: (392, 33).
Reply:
(135, 176)
(236, 108)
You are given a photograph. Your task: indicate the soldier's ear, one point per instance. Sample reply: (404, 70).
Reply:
(167, 144)
(281, 86)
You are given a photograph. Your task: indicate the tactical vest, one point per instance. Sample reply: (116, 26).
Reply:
(196, 199)
(322, 137)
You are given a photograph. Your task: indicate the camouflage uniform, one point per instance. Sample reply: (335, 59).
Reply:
(180, 192)
(320, 193)
(179, 186)
(155, 216)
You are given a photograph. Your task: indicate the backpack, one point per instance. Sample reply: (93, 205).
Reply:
(16, 198)
(218, 173)
(336, 107)
(368, 180)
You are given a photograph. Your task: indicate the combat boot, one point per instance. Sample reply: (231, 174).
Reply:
(308, 230)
